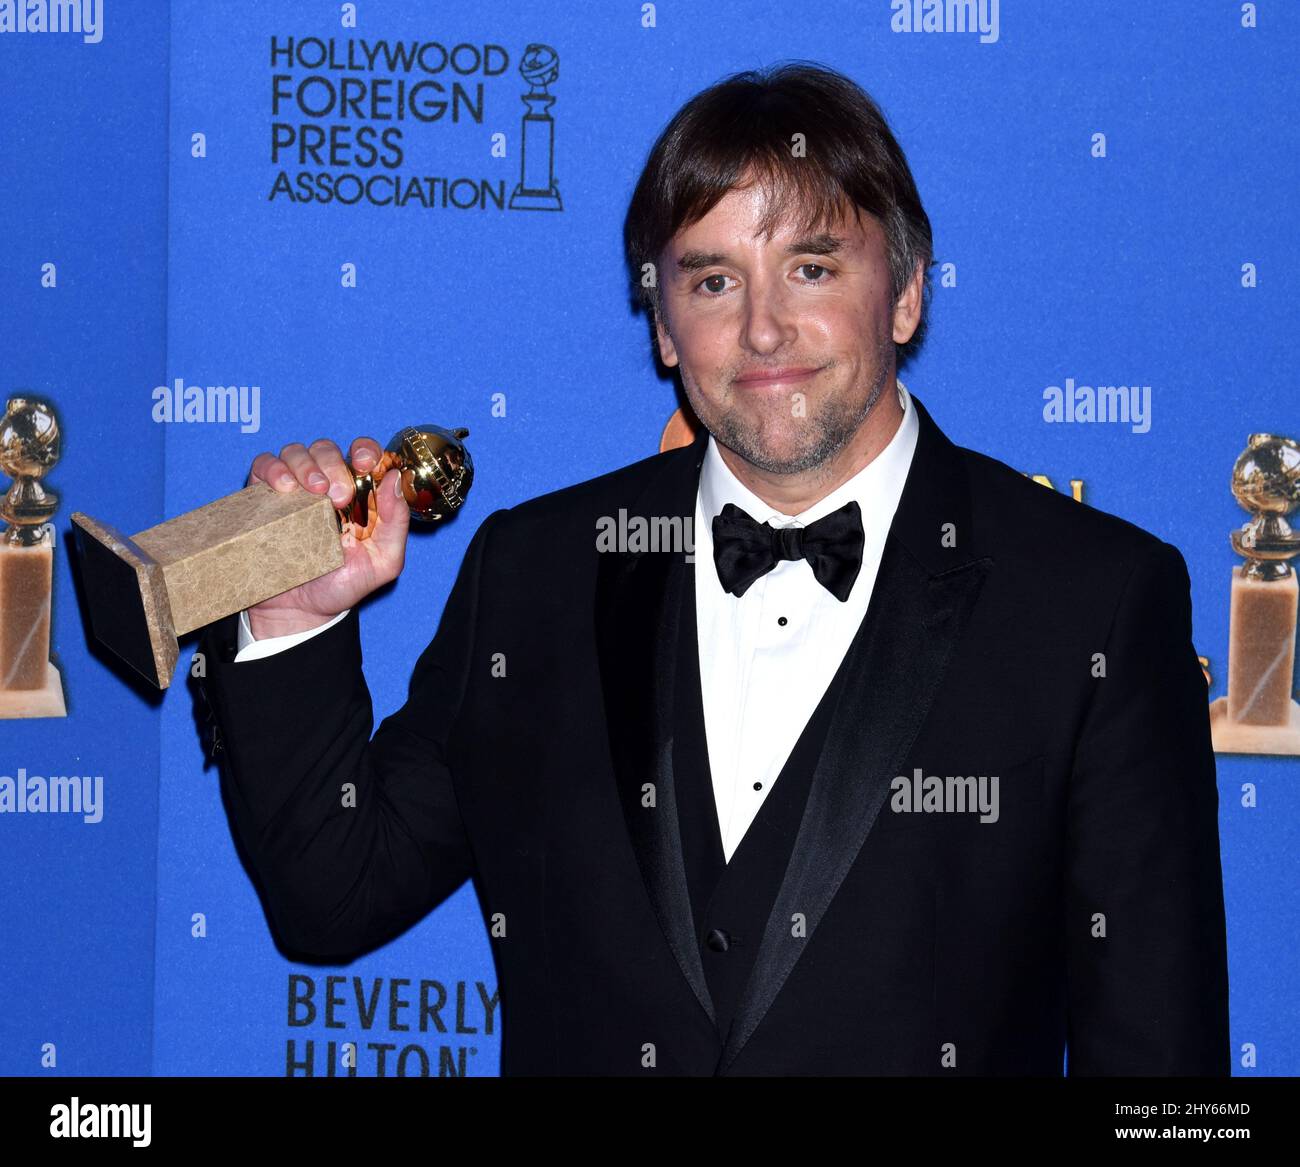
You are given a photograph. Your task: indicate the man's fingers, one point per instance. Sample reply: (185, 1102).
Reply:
(330, 459)
(305, 468)
(364, 454)
(273, 471)
(318, 467)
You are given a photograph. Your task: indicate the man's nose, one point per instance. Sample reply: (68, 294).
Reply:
(769, 319)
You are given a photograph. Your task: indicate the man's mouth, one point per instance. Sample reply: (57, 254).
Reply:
(765, 378)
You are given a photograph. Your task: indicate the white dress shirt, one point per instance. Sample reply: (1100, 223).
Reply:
(249, 648)
(767, 657)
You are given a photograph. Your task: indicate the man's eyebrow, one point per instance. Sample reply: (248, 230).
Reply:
(690, 261)
(821, 244)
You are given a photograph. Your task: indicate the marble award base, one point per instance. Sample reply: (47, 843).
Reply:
(146, 590)
(30, 685)
(47, 701)
(1259, 715)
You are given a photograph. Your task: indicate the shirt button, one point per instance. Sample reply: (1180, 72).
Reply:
(758, 786)
(782, 621)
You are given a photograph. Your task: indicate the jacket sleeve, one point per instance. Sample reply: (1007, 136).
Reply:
(352, 838)
(1147, 975)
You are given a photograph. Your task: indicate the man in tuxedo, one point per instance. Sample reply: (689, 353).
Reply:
(906, 770)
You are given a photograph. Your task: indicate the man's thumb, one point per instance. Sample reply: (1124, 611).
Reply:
(394, 514)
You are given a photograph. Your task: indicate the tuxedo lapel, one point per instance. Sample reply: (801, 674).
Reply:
(638, 605)
(923, 595)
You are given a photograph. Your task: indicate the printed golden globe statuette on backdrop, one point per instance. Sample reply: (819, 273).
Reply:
(30, 686)
(1259, 715)
(146, 590)
(537, 189)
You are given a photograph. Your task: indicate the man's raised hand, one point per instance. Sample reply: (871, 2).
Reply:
(367, 564)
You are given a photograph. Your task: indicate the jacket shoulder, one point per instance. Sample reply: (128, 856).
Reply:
(579, 504)
(1014, 514)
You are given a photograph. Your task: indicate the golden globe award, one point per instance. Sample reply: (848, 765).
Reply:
(146, 590)
(1259, 715)
(30, 685)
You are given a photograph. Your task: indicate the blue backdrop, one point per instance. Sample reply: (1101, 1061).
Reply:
(1112, 187)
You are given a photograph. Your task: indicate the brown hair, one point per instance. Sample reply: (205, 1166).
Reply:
(747, 124)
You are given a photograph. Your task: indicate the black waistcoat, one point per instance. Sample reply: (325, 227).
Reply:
(730, 902)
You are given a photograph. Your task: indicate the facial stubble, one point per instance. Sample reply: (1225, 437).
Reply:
(829, 430)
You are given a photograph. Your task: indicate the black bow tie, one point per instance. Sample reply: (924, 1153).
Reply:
(745, 549)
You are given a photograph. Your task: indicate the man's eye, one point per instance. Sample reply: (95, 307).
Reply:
(714, 284)
(814, 272)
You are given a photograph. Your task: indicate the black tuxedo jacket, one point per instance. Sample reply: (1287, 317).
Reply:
(1012, 632)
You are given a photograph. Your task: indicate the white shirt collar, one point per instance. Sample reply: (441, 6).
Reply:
(877, 486)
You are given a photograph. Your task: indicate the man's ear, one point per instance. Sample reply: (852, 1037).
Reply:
(907, 312)
(667, 350)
